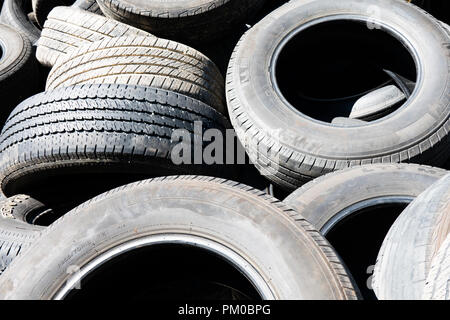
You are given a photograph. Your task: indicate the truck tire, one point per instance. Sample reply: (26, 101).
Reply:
(42, 8)
(16, 68)
(365, 201)
(15, 233)
(191, 210)
(99, 136)
(143, 61)
(186, 21)
(292, 147)
(413, 241)
(14, 14)
(68, 28)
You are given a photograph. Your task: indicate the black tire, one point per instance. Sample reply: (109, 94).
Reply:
(68, 28)
(42, 8)
(301, 148)
(102, 135)
(304, 267)
(14, 14)
(189, 21)
(88, 5)
(16, 68)
(15, 233)
(436, 286)
(143, 61)
(413, 241)
(368, 198)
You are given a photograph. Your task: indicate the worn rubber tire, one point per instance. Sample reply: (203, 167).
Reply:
(16, 68)
(16, 234)
(331, 201)
(437, 286)
(13, 14)
(42, 8)
(116, 130)
(252, 224)
(68, 28)
(302, 149)
(328, 200)
(413, 241)
(88, 5)
(187, 20)
(144, 61)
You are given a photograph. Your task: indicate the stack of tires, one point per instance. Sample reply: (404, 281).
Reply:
(342, 108)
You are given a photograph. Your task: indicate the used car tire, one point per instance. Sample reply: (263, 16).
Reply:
(368, 198)
(88, 5)
(143, 61)
(68, 28)
(15, 233)
(13, 14)
(186, 20)
(436, 286)
(413, 241)
(190, 209)
(42, 8)
(111, 132)
(16, 68)
(301, 148)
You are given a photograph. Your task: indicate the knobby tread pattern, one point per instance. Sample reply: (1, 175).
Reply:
(142, 61)
(437, 286)
(290, 169)
(98, 125)
(191, 22)
(317, 240)
(68, 28)
(13, 15)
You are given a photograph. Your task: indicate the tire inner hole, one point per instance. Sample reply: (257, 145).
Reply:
(166, 272)
(323, 70)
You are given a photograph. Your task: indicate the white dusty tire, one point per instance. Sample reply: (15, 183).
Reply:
(283, 259)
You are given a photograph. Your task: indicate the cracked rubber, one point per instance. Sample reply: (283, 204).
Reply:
(437, 286)
(188, 21)
(413, 241)
(144, 61)
(301, 149)
(252, 224)
(68, 28)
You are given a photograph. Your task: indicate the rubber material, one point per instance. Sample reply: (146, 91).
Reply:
(302, 149)
(68, 28)
(42, 8)
(413, 241)
(144, 61)
(185, 205)
(188, 21)
(13, 14)
(99, 129)
(15, 234)
(16, 68)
